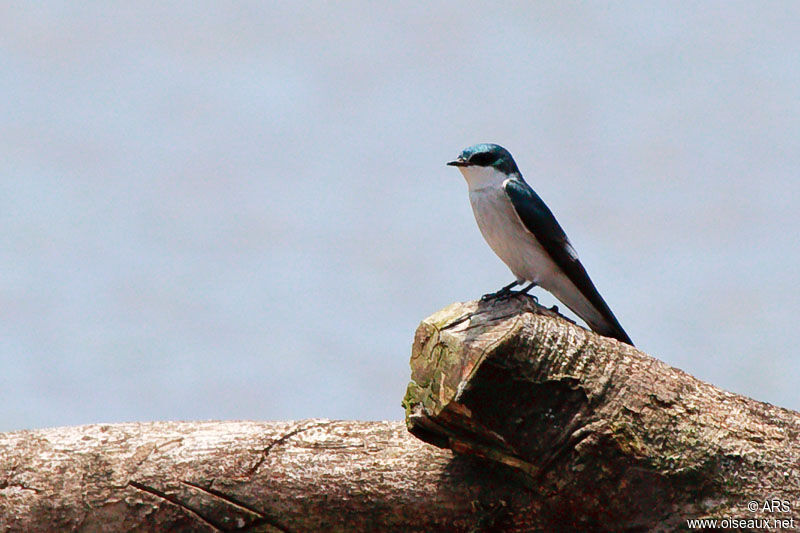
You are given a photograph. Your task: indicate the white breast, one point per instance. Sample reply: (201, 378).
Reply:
(510, 240)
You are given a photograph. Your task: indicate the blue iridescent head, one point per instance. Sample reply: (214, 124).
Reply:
(487, 155)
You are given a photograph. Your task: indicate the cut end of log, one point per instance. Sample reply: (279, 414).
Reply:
(578, 416)
(455, 348)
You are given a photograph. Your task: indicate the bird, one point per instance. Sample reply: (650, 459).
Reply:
(522, 231)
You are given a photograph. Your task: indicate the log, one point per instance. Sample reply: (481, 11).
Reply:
(311, 475)
(533, 424)
(605, 437)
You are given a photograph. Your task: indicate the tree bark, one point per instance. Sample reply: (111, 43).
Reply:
(312, 475)
(604, 436)
(554, 428)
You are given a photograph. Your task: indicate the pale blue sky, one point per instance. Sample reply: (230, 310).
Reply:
(241, 210)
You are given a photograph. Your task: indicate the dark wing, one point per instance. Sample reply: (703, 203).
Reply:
(539, 220)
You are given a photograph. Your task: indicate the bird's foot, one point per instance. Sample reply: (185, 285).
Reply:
(502, 294)
(535, 299)
(524, 291)
(506, 292)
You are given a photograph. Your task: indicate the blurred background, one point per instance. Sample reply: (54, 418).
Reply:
(241, 210)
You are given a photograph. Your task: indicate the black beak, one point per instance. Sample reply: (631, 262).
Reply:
(458, 163)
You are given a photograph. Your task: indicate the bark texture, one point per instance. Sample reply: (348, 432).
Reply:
(604, 436)
(312, 475)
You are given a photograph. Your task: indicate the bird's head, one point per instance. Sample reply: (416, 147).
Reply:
(483, 164)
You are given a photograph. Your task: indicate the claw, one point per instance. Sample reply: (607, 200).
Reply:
(502, 294)
(499, 295)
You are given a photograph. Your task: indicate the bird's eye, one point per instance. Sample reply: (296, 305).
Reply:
(483, 159)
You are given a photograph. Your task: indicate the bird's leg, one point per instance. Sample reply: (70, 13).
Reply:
(505, 292)
(526, 288)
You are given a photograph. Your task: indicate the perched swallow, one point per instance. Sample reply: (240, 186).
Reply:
(523, 232)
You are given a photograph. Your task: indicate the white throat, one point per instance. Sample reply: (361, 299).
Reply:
(482, 177)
